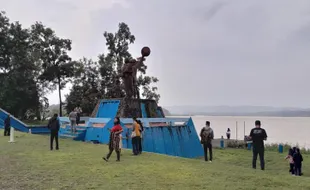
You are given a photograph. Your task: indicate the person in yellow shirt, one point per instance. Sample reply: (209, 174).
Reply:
(136, 135)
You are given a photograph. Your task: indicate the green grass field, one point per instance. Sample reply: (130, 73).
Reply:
(28, 164)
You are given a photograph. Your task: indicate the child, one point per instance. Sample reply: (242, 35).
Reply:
(297, 162)
(291, 160)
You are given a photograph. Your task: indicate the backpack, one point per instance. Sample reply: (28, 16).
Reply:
(206, 136)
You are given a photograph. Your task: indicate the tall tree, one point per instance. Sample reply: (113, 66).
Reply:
(19, 92)
(85, 91)
(53, 52)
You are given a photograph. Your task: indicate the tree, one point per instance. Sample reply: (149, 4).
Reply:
(19, 93)
(85, 92)
(53, 53)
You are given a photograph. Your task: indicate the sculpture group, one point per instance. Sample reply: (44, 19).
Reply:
(129, 74)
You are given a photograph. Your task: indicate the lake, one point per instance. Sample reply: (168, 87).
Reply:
(291, 130)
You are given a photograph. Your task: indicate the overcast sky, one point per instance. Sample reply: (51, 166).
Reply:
(205, 52)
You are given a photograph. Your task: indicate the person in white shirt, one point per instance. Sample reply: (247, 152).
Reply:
(72, 118)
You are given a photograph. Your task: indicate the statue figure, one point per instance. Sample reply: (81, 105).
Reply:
(127, 77)
(129, 73)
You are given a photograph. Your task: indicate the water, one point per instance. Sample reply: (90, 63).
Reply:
(291, 130)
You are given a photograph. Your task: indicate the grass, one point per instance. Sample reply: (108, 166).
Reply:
(28, 164)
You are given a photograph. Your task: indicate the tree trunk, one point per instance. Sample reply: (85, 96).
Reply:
(60, 102)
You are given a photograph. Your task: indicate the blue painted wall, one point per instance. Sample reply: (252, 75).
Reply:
(143, 109)
(108, 108)
(171, 140)
(39, 129)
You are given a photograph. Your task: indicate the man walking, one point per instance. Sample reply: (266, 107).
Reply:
(258, 135)
(7, 126)
(207, 135)
(54, 126)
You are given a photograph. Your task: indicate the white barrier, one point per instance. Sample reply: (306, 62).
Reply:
(11, 135)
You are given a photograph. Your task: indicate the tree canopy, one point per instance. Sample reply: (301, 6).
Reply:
(34, 62)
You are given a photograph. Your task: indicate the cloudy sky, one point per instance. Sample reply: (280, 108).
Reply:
(215, 52)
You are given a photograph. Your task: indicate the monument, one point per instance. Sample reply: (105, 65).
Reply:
(170, 136)
(132, 105)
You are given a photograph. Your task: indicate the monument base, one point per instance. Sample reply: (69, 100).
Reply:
(128, 108)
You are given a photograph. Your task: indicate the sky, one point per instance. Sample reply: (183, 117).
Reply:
(215, 52)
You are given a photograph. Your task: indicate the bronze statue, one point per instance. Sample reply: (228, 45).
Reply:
(129, 73)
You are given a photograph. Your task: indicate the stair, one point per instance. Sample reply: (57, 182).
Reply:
(79, 135)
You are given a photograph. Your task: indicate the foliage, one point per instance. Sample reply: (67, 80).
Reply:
(85, 91)
(56, 63)
(19, 92)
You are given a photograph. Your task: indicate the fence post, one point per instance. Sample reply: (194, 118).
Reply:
(243, 129)
(236, 130)
(11, 135)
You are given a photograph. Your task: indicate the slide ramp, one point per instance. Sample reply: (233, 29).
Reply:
(15, 123)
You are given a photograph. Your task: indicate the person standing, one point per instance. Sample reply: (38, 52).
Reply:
(141, 132)
(228, 133)
(136, 136)
(207, 136)
(78, 115)
(7, 125)
(114, 142)
(54, 126)
(298, 159)
(258, 135)
(72, 117)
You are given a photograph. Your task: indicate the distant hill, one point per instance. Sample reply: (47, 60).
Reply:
(166, 112)
(239, 111)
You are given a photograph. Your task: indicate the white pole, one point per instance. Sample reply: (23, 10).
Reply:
(11, 135)
(236, 130)
(243, 129)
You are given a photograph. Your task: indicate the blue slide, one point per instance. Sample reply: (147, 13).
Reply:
(15, 123)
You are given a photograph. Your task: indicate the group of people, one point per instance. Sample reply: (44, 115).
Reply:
(295, 159)
(115, 141)
(75, 117)
(257, 135)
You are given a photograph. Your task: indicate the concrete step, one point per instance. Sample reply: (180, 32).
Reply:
(67, 136)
